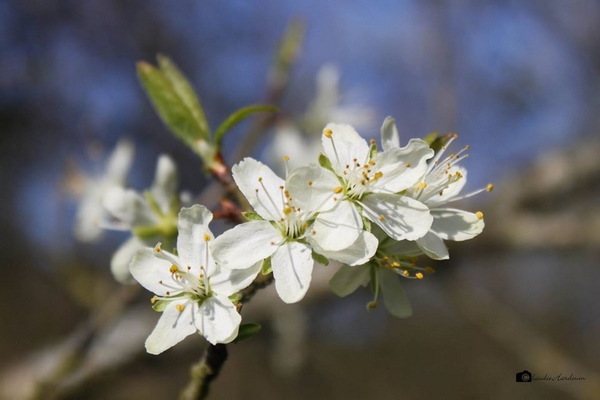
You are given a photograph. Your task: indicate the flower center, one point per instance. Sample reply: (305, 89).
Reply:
(358, 179)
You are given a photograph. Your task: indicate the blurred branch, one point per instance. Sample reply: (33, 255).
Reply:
(204, 372)
(279, 76)
(552, 204)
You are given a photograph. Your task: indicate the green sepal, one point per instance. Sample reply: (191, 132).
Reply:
(160, 305)
(325, 162)
(373, 151)
(266, 268)
(247, 331)
(321, 259)
(441, 142)
(238, 116)
(430, 137)
(252, 216)
(236, 297)
(175, 102)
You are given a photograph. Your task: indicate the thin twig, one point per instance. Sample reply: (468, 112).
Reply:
(204, 372)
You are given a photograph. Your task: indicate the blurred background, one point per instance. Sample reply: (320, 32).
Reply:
(518, 81)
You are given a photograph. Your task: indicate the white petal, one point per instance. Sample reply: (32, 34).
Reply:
(119, 263)
(292, 269)
(192, 246)
(433, 246)
(349, 145)
(261, 186)
(89, 213)
(311, 188)
(230, 281)
(173, 327)
(337, 229)
(347, 279)
(389, 134)
(458, 225)
(402, 167)
(246, 244)
(129, 206)
(400, 217)
(358, 253)
(119, 162)
(150, 271)
(165, 183)
(394, 298)
(218, 320)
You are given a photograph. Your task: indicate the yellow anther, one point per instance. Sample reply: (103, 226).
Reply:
(310, 183)
(372, 305)
(338, 189)
(260, 178)
(468, 146)
(429, 270)
(372, 141)
(422, 185)
(479, 214)
(206, 237)
(287, 210)
(489, 187)
(286, 158)
(382, 217)
(405, 273)
(419, 275)
(157, 248)
(154, 299)
(377, 175)
(180, 307)
(454, 135)
(371, 162)
(328, 133)
(173, 268)
(407, 165)
(395, 264)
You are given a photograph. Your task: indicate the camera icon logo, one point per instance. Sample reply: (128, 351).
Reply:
(524, 376)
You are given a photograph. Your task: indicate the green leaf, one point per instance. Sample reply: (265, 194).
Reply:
(320, 259)
(247, 331)
(252, 216)
(238, 116)
(325, 163)
(184, 90)
(265, 268)
(430, 137)
(171, 107)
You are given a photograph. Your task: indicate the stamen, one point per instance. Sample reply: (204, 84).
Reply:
(382, 217)
(489, 187)
(173, 269)
(153, 299)
(206, 237)
(328, 133)
(180, 307)
(157, 248)
(479, 214)
(419, 275)
(429, 270)
(338, 189)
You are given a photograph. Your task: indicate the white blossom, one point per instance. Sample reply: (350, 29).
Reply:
(191, 289)
(91, 210)
(370, 187)
(441, 183)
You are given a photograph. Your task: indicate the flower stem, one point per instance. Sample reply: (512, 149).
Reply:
(204, 372)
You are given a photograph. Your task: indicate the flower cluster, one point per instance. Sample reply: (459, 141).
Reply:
(372, 211)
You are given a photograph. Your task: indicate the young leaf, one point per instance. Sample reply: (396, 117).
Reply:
(171, 108)
(186, 93)
(238, 116)
(247, 331)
